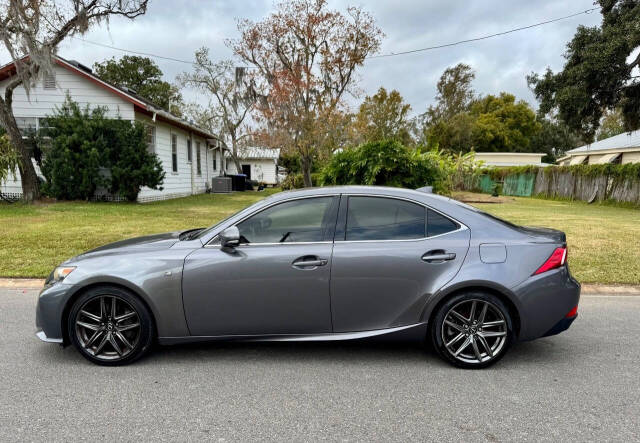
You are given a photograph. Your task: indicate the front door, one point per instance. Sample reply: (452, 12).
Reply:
(246, 170)
(388, 257)
(275, 282)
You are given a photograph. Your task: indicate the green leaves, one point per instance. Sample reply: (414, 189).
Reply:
(89, 151)
(597, 75)
(386, 163)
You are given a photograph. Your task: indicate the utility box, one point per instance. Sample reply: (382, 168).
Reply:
(221, 185)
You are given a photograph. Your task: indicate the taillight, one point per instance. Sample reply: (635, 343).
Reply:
(557, 259)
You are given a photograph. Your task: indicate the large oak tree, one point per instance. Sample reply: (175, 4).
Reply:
(600, 73)
(306, 56)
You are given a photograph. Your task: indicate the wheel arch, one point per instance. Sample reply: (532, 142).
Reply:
(66, 340)
(505, 296)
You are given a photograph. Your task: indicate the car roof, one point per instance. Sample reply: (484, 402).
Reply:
(364, 190)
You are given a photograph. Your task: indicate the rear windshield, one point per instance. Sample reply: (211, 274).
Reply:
(478, 211)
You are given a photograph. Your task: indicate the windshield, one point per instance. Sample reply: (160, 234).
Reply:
(211, 228)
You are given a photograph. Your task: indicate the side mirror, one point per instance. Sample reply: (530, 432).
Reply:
(230, 237)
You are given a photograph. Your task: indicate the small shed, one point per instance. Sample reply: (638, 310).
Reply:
(258, 163)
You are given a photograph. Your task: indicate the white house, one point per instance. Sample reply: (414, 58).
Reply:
(621, 148)
(259, 164)
(506, 159)
(188, 153)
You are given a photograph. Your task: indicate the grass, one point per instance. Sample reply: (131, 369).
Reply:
(36, 238)
(604, 240)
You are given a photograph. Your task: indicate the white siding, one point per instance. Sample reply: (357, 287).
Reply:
(262, 170)
(186, 180)
(42, 101)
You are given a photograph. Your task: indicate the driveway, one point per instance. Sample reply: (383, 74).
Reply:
(581, 385)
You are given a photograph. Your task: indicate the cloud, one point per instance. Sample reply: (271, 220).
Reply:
(177, 28)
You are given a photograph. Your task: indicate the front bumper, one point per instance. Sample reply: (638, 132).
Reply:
(42, 336)
(49, 311)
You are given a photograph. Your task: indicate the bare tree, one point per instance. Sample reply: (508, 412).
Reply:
(31, 31)
(306, 56)
(231, 99)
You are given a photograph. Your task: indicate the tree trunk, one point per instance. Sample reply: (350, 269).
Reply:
(30, 183)
(305, 164)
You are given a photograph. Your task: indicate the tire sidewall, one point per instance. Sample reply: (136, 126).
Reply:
(147, 328)
(438, 319)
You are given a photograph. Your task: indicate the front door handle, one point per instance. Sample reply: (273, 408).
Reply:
(438, 257)
(307, 262)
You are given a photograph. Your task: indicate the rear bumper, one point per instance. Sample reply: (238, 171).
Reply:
(561, 326)
(544, 302)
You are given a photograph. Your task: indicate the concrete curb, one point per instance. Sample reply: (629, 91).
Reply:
(587, 289)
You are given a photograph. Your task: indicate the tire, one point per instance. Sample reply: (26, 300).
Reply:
(110, 326)
(465, 344)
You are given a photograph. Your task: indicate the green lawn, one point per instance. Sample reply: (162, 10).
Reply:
(36, 238)
(604, 241)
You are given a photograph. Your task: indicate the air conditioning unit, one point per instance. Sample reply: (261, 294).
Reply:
(221, 184)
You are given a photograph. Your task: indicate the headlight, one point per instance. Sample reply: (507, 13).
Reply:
(61, 272)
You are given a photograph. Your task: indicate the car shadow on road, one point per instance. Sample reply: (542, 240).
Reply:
(370, 352)
(542, 351)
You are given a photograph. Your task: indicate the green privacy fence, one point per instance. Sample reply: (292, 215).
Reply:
(521, 185)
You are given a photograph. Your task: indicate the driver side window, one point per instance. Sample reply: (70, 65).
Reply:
(305, 220)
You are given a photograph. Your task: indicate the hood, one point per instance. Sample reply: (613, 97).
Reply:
(156, 241)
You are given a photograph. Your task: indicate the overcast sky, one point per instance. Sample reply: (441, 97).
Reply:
(176, 28)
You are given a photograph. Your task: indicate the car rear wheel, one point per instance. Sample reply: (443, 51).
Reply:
(472, 330)
(110, 326)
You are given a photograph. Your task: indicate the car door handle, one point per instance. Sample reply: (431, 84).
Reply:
(306, 263)
(445, 256)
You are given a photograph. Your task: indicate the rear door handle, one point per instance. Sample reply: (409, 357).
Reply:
(309, 262)
(445, 256)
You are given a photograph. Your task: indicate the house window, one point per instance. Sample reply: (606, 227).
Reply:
(198, 160)
(49, 80)
(189, 155)
(150, 136)
(215, 162)
(26, 125)
(174, 152)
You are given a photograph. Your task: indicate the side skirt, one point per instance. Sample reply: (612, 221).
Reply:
(410, 332)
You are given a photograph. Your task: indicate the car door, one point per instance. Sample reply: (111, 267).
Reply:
(389, 255)
(275, 282)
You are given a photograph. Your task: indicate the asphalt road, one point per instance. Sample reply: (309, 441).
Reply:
(581, 385)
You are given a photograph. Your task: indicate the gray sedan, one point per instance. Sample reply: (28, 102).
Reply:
(336, 263)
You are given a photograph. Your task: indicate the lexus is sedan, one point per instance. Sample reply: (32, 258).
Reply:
(338, 263)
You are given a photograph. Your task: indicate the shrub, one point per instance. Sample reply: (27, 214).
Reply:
(295, 181)
(387, 163)
(88, 151)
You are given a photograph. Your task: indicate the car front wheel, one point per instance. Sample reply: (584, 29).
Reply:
(472, 330)
(110, 326)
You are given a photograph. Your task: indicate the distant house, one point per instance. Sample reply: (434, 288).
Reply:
(259, 164)
(621, 148)
(506, 159)
(188, 153)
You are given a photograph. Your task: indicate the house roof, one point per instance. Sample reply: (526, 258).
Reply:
(621, 142)
(514, 154)
(258, 152)
(140, 104)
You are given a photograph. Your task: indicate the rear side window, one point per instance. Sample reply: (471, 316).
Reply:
(379, 218)
(438, 224)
